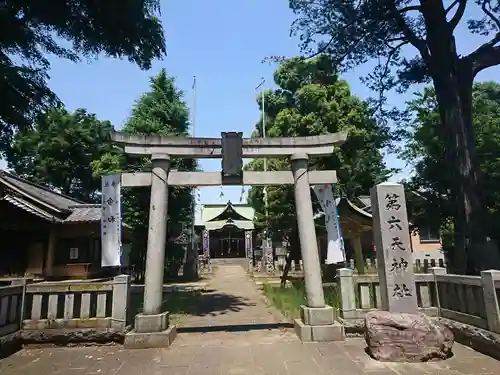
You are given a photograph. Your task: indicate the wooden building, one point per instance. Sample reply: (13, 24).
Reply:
(45, 234)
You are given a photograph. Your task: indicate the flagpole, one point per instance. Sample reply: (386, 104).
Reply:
(261, 86)
(194, 192)
(193, 114)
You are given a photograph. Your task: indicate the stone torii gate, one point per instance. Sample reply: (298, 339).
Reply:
(152, 327)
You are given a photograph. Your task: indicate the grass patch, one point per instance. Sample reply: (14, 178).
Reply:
(179, 304)
(288, 300)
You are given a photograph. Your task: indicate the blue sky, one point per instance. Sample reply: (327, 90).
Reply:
(222, 43)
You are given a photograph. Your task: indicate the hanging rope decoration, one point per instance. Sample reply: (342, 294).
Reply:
(198, 196)
(242, 194)
(221, 195)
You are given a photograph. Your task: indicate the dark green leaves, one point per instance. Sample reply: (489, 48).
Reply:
(312, 100)
(67, 29)
(59, 152)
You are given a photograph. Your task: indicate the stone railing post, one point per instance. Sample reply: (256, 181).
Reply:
(435, 272)
(121, 292)
(347, 294)
(22, 305)
(490, 299)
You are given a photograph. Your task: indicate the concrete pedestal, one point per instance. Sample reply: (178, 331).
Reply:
(151, 331)
(151, 323)
(318, 324)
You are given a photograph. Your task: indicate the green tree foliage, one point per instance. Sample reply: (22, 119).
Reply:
(67, 29)
(414, 42)
(160, 111)
(424, 150)
(58, 152)
(312, 100)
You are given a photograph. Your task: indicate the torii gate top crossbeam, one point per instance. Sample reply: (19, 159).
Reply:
(184, 147)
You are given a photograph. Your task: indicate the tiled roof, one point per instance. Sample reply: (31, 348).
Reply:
(218, 224)
(365, 200)
(55, 208)
(46, 203)
(352, 207)
(28, 207)
(39, 192)
(210, 212)
(84, 213)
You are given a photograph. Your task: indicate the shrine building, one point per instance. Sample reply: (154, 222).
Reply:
(226, 224)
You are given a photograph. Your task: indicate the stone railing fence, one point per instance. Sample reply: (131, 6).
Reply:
(419, 265)
(10, 309)
(64, 311)
(471, 300)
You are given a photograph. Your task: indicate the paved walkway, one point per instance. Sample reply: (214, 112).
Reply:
(231, 298)
(251, 343)
(232, 310)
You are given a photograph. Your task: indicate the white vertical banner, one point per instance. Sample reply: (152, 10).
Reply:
(325, 196)
(111, 220)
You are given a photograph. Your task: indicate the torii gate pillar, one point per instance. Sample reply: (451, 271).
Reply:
(307, 232)
(157, 236)
(153, 320)
(317, 320)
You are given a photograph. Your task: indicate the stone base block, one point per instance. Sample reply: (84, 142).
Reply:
(148, 340)
(317, 316)
(309, 333)
(151, 323)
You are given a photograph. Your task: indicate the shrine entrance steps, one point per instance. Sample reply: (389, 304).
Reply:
(232, 309)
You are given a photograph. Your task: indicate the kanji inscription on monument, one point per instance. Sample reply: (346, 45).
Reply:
(392, 236)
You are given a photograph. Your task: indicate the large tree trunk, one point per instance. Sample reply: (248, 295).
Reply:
(473, 249)
(453, 79)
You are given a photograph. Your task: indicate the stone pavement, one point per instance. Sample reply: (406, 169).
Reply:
(230, 299)
(252, 342)
(224, 355)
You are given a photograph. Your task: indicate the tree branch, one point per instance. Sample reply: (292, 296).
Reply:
(418, 43)
(488, 54)
(410, 8)
(452, 5)
(458, 14)
(393, 51)
(320, 50)
(488, 12)
(485, 57)
(349, 50)
(386, 70)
